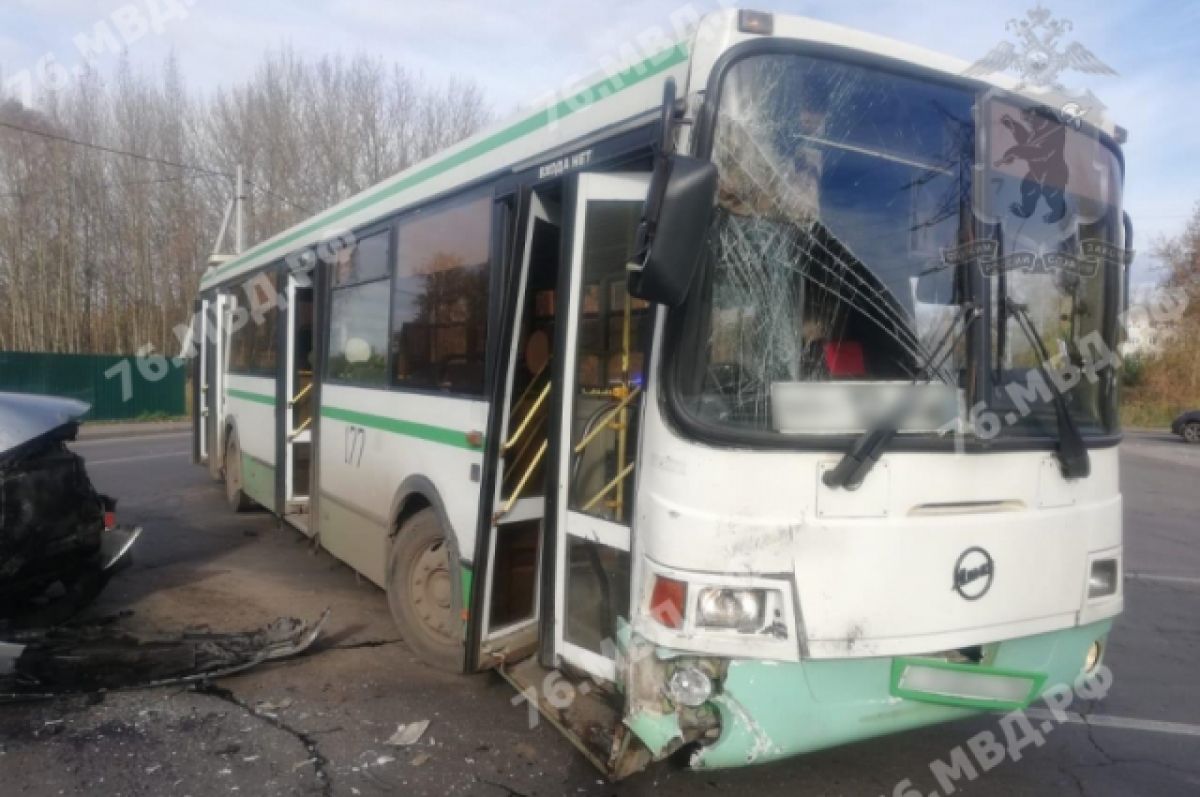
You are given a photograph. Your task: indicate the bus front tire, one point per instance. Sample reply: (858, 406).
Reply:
(235, 495)
(420, 592)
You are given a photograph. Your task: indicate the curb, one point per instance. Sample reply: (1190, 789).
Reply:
(106, 431)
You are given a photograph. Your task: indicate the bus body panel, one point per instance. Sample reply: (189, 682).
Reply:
(250, 412)
(882, 584)
(374, 440)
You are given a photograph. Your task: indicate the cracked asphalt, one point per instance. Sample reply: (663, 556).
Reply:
(319, 724)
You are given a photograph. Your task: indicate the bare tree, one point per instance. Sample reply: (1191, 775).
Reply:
(102, 251)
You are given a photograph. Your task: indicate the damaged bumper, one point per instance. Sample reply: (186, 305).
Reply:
(116, 546)
(769, 710)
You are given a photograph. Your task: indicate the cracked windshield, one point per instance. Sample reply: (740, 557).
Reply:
(850, 201)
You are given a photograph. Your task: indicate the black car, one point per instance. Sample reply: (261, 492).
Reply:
(59, 541)
(1187, 426)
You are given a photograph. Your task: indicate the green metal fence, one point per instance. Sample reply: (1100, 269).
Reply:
(118, 388)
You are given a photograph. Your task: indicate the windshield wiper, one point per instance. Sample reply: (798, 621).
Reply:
(1072, 453)
(857, 463)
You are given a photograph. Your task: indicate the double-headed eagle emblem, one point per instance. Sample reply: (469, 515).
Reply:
(1037, 59)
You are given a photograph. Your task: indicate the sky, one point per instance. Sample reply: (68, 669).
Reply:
(518, 51)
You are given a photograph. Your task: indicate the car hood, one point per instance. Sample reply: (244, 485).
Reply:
(25, 418)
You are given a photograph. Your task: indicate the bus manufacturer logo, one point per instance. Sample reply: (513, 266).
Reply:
(973, 573)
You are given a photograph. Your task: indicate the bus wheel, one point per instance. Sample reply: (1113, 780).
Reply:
(234, 494)
(420, 592)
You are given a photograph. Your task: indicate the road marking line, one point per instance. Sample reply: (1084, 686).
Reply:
(138, 458)
(1123, 723)
(1163, 577)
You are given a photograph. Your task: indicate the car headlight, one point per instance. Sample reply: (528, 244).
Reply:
(722, 607)
(1102, 580)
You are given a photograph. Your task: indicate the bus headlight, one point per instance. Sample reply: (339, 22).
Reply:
(1102, 580)
(723, 607)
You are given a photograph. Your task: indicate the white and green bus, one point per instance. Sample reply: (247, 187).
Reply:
(748, 401)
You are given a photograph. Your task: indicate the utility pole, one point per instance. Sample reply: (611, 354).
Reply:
(239, 206)
(235, 211)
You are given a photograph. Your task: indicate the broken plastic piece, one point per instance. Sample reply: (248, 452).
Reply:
(409, 734)
(73, 660)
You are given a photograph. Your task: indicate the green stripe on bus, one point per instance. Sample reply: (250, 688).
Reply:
(606, 88)
(422, 431)
(248, 396)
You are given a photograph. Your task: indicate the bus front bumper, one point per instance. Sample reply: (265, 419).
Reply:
(771, 710)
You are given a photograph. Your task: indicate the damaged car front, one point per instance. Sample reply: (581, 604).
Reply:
(59, 541)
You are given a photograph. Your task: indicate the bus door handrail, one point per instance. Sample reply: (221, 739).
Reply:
(304, 391)
(528, 419)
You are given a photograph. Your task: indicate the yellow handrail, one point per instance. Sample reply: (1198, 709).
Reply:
(532, 382)
(529, 416)
(304, 391)
(600, 427)
(524, 448)
(512, 499)
(300, 430)
(620, 478)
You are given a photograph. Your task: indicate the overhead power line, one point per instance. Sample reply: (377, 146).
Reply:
(113, 150)
(105, 184)
(146, 158)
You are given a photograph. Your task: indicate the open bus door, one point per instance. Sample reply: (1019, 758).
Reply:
(568, 442)
(201, 377)
(603, 341)
(509, 616)
(215, 343)
(294, 433)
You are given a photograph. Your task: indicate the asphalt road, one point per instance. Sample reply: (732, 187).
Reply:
(318, 724)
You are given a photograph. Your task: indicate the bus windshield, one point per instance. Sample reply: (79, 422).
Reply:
(853, 204)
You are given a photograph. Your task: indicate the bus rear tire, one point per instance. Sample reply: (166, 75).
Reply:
(420, 592)
(235, 495)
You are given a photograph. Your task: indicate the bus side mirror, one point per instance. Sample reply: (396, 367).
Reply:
(674, 228)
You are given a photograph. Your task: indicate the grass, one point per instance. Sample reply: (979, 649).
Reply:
(1147, 414)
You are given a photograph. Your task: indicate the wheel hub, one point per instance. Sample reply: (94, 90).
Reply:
(430, 591)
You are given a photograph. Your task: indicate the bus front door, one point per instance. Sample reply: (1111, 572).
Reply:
(509, 617)
(557, 575)
(602, 340)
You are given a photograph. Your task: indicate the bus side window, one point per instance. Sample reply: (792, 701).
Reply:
(440, 298)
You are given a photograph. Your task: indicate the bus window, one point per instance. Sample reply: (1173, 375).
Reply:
(358, 316)
(440, 300)
(252, 346)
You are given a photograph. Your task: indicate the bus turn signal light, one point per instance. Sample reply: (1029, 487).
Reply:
(667, 600)
(758, 22)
